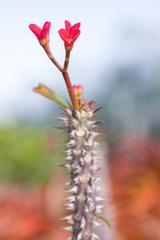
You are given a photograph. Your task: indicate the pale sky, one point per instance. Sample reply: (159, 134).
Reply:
(100, 46)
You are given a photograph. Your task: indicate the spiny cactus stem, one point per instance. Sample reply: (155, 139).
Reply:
(81, 161)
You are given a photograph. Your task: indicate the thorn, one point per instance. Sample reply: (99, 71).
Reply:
(98, 122)
(71, 199)
(76, 180)
(96, 179)
(69, 219)
(91, 123)
(82, 161)
(89, 199)
(68, 158)
(89, 143)
(96, 158)
(68, 166)
(78, 170)
(66, 218)
(68, 229)
(59, 127)
(68, 111)
(95, 236)
(73, 190)
(99, 199)
(67, 184)
(71, 143)
(68, 151)
(61, 165)
(75, 122)
(98, 189)
(96, 143)
(98, 224)
(62, 118)
(91, 206)
(97, 109)
(62, 108)
(69, 206)
(79, 236)
(89, 114)
(99, 208)
(72, 133)
(95, 168)
(95, 134)
(83, 223)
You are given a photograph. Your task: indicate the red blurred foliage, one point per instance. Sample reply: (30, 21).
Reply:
(25, 214)
(135, 178)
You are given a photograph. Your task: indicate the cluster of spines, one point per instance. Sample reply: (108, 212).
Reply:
(83, 203)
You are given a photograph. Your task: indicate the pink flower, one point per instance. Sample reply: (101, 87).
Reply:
(41, 34)
(78, 90)
(69, 34)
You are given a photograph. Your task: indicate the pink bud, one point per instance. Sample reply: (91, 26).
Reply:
(78, 90)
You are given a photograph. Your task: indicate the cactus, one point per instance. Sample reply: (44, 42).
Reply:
(83, 203)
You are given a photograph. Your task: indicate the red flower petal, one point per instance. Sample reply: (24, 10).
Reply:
(64, 34)
(68, 26)
(46, 26)
(70, 34)
(35, 29)
(77, 25)
(75, 33)
(45, 30)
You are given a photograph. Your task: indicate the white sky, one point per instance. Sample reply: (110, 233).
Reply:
(23, 63)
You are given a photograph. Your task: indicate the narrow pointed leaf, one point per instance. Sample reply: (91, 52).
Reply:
(104, 219)
(50, 94)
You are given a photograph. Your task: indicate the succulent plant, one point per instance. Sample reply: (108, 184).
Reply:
(84, 202)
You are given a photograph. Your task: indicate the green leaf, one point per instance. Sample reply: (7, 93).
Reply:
(104, 219)
(50, 94)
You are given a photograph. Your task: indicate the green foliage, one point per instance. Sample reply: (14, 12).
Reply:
(25, 157)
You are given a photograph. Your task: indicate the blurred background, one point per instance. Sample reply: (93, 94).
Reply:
(117, 59)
